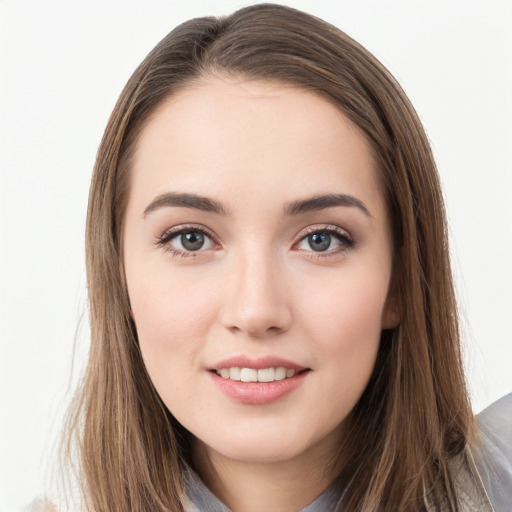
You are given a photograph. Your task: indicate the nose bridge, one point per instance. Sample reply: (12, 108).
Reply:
(256, 304)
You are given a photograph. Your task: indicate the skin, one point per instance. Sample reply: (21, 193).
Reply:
(258, 288)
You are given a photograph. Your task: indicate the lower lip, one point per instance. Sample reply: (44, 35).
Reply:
(258, 393)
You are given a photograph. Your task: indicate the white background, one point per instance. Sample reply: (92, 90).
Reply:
(62, 65)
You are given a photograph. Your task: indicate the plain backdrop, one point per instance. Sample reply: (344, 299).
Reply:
(62, 65)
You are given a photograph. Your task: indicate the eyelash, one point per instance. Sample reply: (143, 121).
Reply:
(165, 239)
(345, 240)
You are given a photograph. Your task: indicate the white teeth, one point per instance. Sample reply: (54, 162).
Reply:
(280, 373)
(248, 375)
(253, 375)
(224, 373)
(266, 375)
(234, 373)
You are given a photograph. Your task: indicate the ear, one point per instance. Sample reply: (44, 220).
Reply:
(390, 318)
(392, 312)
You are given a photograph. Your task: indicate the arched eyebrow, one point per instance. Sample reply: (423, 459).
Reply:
(183, 200)
(324, 201)
(301, 206)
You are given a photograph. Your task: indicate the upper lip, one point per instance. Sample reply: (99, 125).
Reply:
(258, 363)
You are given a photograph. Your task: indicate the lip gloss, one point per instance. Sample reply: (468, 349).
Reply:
(258, 393)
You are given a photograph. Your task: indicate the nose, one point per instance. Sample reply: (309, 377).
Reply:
(256, 303)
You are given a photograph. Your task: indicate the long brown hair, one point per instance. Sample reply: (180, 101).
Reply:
(415, 414)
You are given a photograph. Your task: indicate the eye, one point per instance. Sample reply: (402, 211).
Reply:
(186, 240)
(326, 240)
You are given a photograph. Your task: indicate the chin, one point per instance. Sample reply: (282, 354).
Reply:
(263, 446)
(258, 454)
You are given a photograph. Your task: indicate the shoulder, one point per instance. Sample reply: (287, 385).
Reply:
(495, 429)
(493, 452)
(497, 419)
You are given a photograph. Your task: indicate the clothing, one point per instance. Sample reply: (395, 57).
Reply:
(494, 459)
(202, 499)
(490, 492)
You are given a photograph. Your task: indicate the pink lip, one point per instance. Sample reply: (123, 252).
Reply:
(257, 363)
(258, 393)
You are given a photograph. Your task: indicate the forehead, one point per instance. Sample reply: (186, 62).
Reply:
(222, 135)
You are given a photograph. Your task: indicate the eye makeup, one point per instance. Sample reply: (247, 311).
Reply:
(318, 241)
(193, 239)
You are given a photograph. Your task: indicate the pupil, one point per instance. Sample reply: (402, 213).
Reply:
(192, 241)
(319, 241)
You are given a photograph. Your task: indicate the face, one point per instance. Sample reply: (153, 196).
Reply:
(258, 261)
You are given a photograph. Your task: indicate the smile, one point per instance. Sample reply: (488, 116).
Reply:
(258, 386)
(253, 375)
(257, 380)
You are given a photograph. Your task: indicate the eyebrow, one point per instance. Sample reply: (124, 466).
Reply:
(321, 202)
(301, 206)
(194, 201)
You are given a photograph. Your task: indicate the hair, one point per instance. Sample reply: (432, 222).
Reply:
(415, 415)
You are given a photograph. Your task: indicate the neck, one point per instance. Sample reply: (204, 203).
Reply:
(282, 486)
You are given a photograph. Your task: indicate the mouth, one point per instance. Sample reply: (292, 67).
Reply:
(257, 381)
(271, 374)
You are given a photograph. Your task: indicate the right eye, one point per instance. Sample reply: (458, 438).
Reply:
(185, 241)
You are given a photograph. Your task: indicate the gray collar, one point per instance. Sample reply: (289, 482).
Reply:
(201, 499)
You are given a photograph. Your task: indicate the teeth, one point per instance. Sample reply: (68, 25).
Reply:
(266, 375)
(281, 373)
(224, 373)
(234, 373)
(253, 375)
(248, 375)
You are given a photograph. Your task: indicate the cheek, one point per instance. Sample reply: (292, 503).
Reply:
(346, 306)
(172, 317)
(345, 322)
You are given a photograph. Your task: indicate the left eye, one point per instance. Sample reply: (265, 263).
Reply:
(324, 240)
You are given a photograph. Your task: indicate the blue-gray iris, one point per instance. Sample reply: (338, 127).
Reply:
(319, 241)
(192, 241)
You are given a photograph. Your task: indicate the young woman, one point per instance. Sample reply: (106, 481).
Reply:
(272, 310)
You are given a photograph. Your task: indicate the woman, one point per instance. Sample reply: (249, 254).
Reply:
(272, 309)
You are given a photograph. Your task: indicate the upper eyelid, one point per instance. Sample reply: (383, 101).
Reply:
(331, 228)
(322, 227)
(183, 228)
